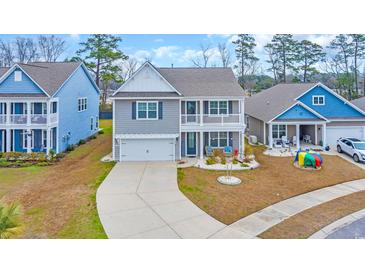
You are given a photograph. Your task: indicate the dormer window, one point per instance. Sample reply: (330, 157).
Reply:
(318, 100)
(17, 76)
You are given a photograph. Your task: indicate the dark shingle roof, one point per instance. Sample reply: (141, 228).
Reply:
(202, 81)
(49, 76)
(360, 103)
(269, 103)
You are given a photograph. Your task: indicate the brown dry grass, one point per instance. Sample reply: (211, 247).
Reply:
(306, 223)
(53, 196)
(277, 179)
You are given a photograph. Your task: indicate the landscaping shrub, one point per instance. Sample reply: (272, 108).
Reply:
(52, 154)
(70, 148)
(9, 221)
(245, 165)
(223, 160)
(81, 142)
(60, 156)
(92, 137)
(101, 131)
(210, 161)
(234, 161)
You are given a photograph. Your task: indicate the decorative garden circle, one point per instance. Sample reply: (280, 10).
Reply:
(229, 180)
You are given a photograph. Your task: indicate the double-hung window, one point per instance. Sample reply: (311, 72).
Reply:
(278, 131)
(147, 110)
(91, 123)
(318, 100)
(82, 104)
(218, 139)
(218, 107)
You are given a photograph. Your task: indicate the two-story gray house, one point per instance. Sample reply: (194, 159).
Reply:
(169, 113)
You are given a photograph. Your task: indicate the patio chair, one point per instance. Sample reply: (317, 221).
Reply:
(209, 151)
(285, 141)
(228, 151)
(278, 143)
(307, 139)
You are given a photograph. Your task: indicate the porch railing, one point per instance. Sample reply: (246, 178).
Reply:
(222, 119)
(22, 119)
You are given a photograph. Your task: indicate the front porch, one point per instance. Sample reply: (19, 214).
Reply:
(28, 140)
(196, 144)
(297, 135)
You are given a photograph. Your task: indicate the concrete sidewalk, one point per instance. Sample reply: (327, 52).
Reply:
(260, 221)
(142, 200)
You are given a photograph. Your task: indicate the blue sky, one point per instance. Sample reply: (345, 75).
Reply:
(179, 49)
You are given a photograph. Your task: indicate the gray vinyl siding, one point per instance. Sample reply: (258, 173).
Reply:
(124, 124)
(256, 128)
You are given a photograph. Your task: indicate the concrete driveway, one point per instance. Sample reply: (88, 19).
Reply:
(142, 200)
(347, 158)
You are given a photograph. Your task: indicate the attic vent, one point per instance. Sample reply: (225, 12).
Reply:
(17, 76)
(267, 102)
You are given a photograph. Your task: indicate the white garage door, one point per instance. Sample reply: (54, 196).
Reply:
(334, 133)
(148, 150)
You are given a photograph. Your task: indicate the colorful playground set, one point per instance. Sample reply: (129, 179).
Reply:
(308, 159)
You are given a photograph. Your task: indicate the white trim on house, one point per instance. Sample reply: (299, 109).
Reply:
(318, 97)
(304, 106)
(114, 136)
(2, 78)
(24, 133)
(147, 110)
(138, 70)
(146, 136)
(83, 106)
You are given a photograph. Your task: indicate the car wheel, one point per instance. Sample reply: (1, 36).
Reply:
(339, 149)
(356, 158)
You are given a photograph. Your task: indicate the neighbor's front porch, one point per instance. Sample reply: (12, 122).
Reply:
(297, 135)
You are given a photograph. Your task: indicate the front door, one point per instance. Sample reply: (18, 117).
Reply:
(191, 143)
(191, 111)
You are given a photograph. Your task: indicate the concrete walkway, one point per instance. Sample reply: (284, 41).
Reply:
(142, 200)
(260, 221)
(349, 227)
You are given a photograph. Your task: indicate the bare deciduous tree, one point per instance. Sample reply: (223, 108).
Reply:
(51, 47)
(225, 54)
(25, 50)
(6, 54)
(203, 57)
(128, 67)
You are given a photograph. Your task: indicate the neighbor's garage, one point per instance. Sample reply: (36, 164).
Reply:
(334, 133)
(147, 147)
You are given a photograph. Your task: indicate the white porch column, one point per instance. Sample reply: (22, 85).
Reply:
(297, 133)
(201, 111)
(270, 136)
(48, 148)
(8, 140)
(264, 134)
(8, 112)
(315, 134)
(201, 145)
(28, 113)
(324, 135)
(29, 141)
(48, 112)
(242, 144)
(242, 112)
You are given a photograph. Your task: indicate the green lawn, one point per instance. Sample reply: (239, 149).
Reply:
(59, 201)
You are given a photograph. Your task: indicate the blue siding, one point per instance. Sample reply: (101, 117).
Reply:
(297, 112)
(24, 86)
(333, 108)
(1, 140)
(70, 120)
(18, 140)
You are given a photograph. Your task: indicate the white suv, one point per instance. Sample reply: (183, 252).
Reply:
(353, 147)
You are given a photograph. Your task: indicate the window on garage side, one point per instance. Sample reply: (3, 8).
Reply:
(147, 110)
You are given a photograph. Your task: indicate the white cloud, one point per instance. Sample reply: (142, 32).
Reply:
(166, 52)
(75, 37)
(322, 40)
(141, 55)
(159, 40)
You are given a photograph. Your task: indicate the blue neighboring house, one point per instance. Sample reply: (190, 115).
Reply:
(310, 113)
(46, 106)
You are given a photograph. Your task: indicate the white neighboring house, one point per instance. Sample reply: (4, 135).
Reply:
(170, 113)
